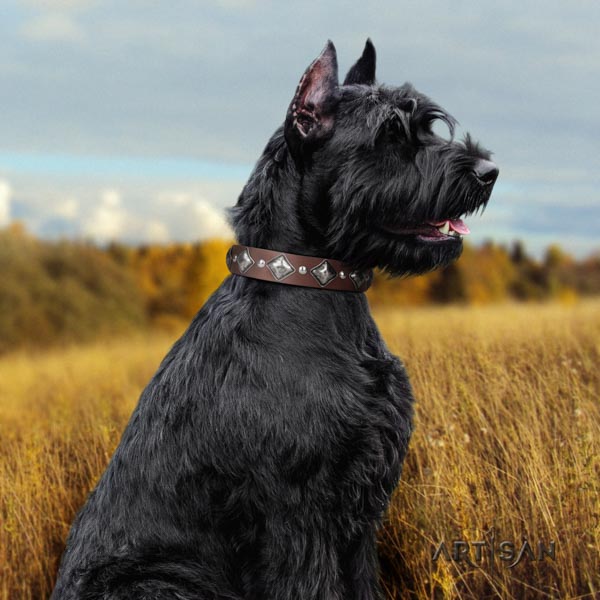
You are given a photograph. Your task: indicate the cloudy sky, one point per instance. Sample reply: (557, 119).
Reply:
(141, 120)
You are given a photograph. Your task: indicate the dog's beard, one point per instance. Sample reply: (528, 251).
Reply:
(413, 256)
(396, 255)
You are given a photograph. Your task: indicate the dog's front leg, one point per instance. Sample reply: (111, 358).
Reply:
(305, 556)
(299, 559)
(360, 567)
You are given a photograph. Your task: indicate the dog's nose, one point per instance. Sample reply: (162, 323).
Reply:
(486, 171)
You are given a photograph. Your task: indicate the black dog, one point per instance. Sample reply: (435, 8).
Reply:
(262, 455)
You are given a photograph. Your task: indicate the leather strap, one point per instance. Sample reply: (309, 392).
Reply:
(296, 269)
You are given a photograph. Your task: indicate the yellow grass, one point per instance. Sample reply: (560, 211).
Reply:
(507, 441)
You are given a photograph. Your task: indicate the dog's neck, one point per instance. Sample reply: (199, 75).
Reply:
(296, 269)
(281, 237)
(273, 210)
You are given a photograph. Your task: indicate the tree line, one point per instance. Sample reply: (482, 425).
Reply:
(72, 290)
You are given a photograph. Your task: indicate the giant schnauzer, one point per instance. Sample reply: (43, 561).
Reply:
(261, 456)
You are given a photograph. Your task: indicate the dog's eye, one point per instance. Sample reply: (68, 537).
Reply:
(395, 129)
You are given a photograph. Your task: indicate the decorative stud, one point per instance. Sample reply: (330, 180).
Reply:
(302, 270)
(359, 278)
(234, 258)
(342, 275)
(261, 263)
(324, 273)
(280, 267)
(244, 260)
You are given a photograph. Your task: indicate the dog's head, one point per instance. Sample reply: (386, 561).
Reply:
(372, 183)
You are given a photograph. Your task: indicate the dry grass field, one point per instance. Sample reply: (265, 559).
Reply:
(507, 444)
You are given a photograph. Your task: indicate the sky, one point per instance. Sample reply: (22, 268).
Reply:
(141, 120)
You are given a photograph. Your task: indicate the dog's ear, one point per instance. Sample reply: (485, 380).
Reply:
(363, 70)
(310, 117)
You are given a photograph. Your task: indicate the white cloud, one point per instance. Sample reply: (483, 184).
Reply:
(5, 198)
(107, 221)
(68, 208)
(195, 217)
(211, 221)
(156, 232)
(111, 198)
(175, 198)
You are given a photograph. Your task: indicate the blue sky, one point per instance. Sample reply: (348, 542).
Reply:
(141, 120)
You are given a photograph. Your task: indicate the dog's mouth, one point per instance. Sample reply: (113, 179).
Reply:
(432, 231)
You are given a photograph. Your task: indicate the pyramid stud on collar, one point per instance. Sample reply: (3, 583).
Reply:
(244, 260)
(324, 273)
(359, 278)
(280, 267)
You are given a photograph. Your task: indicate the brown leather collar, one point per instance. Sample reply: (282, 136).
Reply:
(295, 269)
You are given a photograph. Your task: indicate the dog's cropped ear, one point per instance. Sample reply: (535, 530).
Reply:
(363, 70)
(310, 117)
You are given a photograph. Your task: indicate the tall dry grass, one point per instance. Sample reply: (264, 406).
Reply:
(507, 439)
(61, 414)
(507, 443)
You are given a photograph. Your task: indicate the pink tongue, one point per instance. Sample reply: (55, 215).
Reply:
(459, 226)
(455, 225)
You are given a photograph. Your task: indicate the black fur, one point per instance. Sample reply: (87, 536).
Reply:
(263, 453)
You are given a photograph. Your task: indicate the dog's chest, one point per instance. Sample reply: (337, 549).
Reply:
(347, 404)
